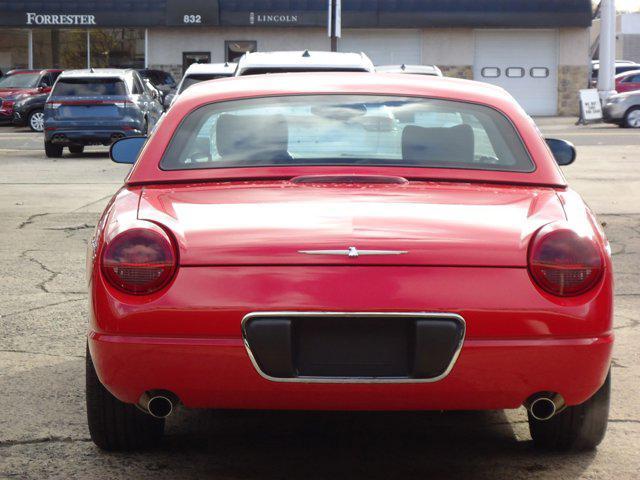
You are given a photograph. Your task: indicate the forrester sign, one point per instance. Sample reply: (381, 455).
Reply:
(46, 19)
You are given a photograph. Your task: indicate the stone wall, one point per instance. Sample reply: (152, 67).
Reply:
(571, 78)
(457, 71)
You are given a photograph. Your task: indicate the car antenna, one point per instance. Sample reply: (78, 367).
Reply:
(306, 53)
(403, 67)
(226, 64)
(91, 70)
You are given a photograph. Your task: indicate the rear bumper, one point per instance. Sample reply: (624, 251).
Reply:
(188, 339)
(613, 113)
(90, 136)
(218, 373)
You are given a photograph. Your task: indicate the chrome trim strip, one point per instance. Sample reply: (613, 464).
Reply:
(454, 358)
(353, 252)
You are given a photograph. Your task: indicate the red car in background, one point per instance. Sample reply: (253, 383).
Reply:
(628, 81)
(18, 85)
(348, 241)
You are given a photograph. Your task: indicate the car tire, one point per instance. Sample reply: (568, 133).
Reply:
(115, 425)
(35, 120)
(632, 118)
(52, 150)
(577, 428)
(76, 148)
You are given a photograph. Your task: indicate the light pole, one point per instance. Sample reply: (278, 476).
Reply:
(607, 70)
(334, 22)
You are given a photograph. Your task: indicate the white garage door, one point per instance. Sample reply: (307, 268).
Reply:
(384, 47)
(524, 62)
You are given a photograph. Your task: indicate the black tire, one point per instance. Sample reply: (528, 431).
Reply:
(52, 150)
(577, 428)
(115, 425)
(35, 120)
(76, 148)
(632, 118)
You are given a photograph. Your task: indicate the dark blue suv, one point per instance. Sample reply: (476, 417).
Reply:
(97, 107)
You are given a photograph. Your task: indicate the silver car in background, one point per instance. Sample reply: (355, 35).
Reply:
(200, 72)
(623, 109)
(429, 70)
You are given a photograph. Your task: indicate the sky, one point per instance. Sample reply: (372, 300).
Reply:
(628, 5)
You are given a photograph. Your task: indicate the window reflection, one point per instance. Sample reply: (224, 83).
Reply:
(14, 49)
(61, 48)
(117, 47)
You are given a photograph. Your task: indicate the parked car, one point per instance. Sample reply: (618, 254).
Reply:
(429, 70)
(19, 85)
(29, 111)
(628, 81)
(96, 107)
(255, 63)
(271, 250)
(620, 67)
(200, 72)
(623, 109)
(161, 80)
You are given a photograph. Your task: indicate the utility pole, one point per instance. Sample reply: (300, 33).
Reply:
(607, 70)
(334, 22)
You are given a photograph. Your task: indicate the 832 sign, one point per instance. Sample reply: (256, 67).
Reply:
(192, 19)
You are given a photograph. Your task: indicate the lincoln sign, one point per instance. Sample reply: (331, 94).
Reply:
(272, 18)
(46, 19)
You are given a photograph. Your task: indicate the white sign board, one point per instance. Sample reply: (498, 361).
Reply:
(590, 106)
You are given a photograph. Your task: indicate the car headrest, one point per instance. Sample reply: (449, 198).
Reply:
(252, 136)
(424, 145)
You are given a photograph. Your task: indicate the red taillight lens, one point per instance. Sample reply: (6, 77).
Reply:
(139, 261)
(564, 263)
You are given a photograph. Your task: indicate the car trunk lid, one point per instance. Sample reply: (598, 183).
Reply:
(294, 223)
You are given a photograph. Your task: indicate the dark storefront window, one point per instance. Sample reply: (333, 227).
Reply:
(234, 49)
(59, 48)
(117, 47)
(14, 49)
(189, 58)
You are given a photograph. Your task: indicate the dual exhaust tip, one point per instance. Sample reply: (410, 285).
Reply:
(544, 405)
(157, 403)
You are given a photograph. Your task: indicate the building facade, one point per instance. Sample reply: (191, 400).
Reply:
(538, 51)
(627, 37)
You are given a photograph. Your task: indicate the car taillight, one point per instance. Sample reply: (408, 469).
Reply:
(52, 105)
(139, 261)
(564, 263)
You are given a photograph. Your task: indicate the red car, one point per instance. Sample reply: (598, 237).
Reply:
(348, 241)
(628, 81)
(19, 85)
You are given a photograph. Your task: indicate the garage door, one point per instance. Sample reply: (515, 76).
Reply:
(524, 62)
(384, 47)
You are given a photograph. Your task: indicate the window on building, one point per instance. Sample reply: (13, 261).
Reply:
(539, 72)
(14, 49)
(490, 72)
(59, 48)
(515, 72)
(189, 58)
(234, 49)
(117, 47)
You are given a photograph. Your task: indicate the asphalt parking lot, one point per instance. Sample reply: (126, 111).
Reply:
(47, 211)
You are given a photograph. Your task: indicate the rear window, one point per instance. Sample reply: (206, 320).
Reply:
(263, 70)
(20, 80)
(89, 87)
(200, 77)
(363, 130)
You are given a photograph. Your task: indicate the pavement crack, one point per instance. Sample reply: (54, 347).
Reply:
(35, 441)
(72, 228)
(52, 273)
(31, 219)
(26, 352)
(41, 307)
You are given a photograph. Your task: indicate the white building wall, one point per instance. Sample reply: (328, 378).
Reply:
(167, 44)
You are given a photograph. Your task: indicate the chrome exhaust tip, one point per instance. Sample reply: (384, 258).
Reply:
(543, 406)
(158, 404)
